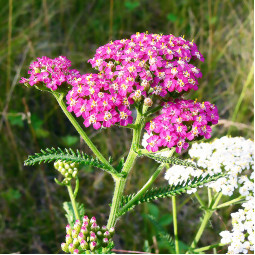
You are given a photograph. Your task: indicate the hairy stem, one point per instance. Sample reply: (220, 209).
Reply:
(209, 196)
(176, 241)
(233, 201)
(72, 198)
(120, 182)
(200, 231)
(199, 200)
(208, 214)
(205, 248)
(80, 130)
(143, 189)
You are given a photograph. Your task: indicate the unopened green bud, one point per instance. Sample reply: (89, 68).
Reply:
(71, 248)
(148, 102)
(74, 233)
(62, 170)
(92, 245)
(84, 245)
(75, 242)
(56, 165)
(72, 165)
(64, 247)
(66, 165)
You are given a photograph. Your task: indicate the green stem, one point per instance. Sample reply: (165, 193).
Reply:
(77, 184)
(208, 213)
(199, 200)
(143, 189)
(176, 241)
(217, 200)
(209, 196)
(80, 130)
(230, 202)
(205, 248)
(120, 182)
(206, 218)
(72, 198)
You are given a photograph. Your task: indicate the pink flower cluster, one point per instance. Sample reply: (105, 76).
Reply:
(50, 72)
(180, 121)
(98, 102)
(149, 64)
(141, 68)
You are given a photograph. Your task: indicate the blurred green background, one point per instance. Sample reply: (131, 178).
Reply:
(31, 216)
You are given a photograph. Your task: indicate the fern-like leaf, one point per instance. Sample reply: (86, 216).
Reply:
(69, 155)
(170, 160)
(161, 233)
(168, 191)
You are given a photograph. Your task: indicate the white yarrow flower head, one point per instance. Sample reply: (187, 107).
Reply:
(241, 238)
(231, 155)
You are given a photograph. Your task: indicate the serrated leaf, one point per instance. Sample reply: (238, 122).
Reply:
(70, 212)
(169, 160)
(167, 191)
(120, 165)
(69, 155)
(161, 233)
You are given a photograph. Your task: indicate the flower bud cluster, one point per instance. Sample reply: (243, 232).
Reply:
(181, 121)
(86, 236)
(68, 169)
(50, 72)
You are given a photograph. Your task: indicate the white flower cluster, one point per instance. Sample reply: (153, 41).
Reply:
(177, 174)
(241, 238)
(233, 156)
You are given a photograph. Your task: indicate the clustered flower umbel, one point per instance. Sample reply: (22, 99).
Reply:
(241, 237)
(50, 72)
(68, 169)
(86, 236)
(234, 156)
(180, 121)
(146, 69)
(231, 155)
(140, 69)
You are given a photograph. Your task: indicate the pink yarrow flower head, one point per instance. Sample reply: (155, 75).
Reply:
(160, 62)
(142, 69)
(51, 73)
(181, 121)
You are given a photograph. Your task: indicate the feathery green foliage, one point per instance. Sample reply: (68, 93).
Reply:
(70, 213)
(161, 233)
(69, 155)
(170, 160)
(168, 191)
